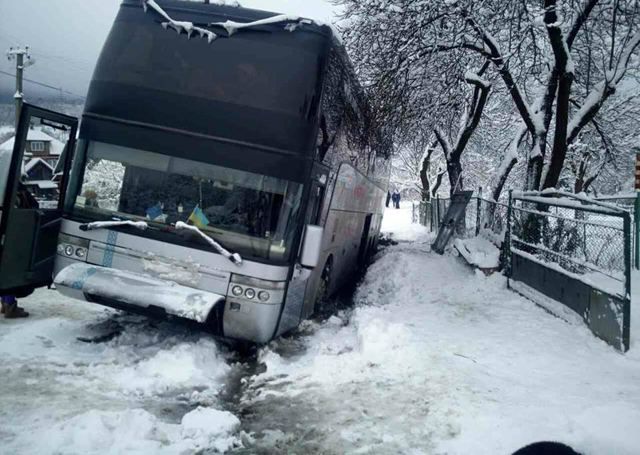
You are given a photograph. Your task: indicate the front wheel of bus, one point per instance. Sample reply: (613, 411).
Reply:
(321, 307)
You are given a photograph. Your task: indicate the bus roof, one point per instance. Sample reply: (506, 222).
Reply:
(248, 99)
(215, 12)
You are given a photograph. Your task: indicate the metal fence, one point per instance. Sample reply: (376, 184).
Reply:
(577, 253)
(630, 203)
(490, 217)
(586, 241)
(481, 215)
(565, 248)
(431, 214)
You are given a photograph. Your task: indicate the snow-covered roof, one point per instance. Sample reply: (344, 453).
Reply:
(32, 162)
(38, 135)
(42, 184)
(55, 148)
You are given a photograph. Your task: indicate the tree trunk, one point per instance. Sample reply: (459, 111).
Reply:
(436, 187)
(454, 169)
(497, 190)
(424, 177)
(534, 166)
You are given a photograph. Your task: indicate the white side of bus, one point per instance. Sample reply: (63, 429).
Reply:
(354, 200)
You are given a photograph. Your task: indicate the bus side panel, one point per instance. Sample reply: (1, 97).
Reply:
(354, 197)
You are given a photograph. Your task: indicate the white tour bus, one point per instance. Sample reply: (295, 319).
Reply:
(226, 171)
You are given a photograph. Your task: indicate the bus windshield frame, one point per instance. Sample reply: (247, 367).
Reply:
(254, 215)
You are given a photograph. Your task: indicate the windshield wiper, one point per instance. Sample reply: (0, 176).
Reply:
(142, 225)
(233, 257)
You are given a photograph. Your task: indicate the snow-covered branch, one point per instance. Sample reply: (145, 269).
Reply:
(474, 78)
(529, 116)
(441, 136)
(508, 162)
(603, 90)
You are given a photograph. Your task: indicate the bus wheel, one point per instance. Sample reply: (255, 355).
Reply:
(321, 306)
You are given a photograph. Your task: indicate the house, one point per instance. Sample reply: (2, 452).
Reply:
(41, 155)
(39, 146)
(42, 146)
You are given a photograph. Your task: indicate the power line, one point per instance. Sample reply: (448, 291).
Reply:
(42, 84)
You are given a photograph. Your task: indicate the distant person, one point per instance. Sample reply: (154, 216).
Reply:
(10, 308)
(396, 199)
(388, 199)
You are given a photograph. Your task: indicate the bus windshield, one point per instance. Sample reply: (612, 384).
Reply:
(249, 213)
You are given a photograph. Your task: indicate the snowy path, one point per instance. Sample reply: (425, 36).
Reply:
(436, 359)
(431, 359)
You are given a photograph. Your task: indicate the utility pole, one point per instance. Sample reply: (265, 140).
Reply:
(23, 59)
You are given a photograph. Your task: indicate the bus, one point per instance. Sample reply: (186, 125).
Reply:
(227, 170)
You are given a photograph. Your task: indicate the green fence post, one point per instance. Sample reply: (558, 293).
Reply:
(478, 209)
(636, 218)
(627, 252)
(437, 228)
(506, 243)
(626, 311)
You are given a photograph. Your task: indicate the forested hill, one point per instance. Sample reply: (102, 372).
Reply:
(64, 105)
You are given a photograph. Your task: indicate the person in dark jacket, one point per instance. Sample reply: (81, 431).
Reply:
(396, 199)
(10, 307)
(388, 198)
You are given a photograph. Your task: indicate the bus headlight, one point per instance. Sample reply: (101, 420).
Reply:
(237, 291)
(258, 291)
(73, 247)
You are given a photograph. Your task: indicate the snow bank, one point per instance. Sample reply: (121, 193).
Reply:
(148, 388)
(479, 252)
(179, 367)
(138, 431)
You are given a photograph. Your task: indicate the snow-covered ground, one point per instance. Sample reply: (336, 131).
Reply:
(153, 388)
(431, 358)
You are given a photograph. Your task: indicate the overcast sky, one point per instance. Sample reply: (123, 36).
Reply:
(65, 36)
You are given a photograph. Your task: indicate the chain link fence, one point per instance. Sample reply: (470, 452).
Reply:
(585, 241)
(592, 238)
(481, 215)
(631, 204)
(570, 249)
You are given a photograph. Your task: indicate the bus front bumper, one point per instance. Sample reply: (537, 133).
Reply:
(136, 292)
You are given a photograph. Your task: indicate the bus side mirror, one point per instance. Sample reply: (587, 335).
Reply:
(311, 246)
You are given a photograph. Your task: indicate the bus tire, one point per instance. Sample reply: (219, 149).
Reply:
(322, 294)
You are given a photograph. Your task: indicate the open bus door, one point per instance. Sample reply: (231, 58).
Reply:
(32, 197)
